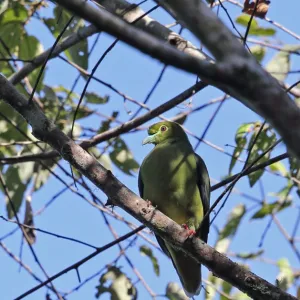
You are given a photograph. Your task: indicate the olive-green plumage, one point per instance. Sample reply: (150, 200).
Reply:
(175, 179)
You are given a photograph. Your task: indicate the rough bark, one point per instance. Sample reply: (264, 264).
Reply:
(120, 195)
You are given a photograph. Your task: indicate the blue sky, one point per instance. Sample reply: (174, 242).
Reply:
(134, 74)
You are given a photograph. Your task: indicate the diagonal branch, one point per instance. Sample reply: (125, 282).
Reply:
(238, 70)
(120, 195)
(81, 262)
(151, 26)
(127, 126)
(38, 61)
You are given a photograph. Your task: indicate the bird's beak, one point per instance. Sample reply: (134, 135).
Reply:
(150, 139)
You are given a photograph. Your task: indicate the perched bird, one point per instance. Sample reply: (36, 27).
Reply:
(175, 179)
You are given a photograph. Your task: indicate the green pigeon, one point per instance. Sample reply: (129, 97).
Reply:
(175, 180)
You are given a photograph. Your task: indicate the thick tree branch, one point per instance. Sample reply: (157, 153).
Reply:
(68, 42)
(105, 21)
(127, 126)
(160, 31)
(147, 24)
(123, 197)
(236, 71)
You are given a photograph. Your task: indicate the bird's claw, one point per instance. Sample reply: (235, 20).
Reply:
(190, 232)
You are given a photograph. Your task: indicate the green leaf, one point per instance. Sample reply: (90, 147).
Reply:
(244, 21)
(265, 139)
(237, 152)
(254, 177)
(50, 94)
(260, 31)
(294, 166)
(29, 47)
(11, 33)
(3, 6)
(211, 289)
(284, 193)
(103, 158)
(175, 292)
(148, 252)
(233, 222)
(222, 245)
(28, 220)
(226, 288)
(122, 157)
(4, 68)
(33, 76)
(240, 140)
(280, 65)
(15, 189)
(42, 171)
(258, 52)
(285, 277)
(82, 112)
(295, 171)
(105, 125)
(17, 13)
(8, 132)
(78, 53)
(255, 29)
(243, 130)
(269, 208)
(26, 171)
(96, 99)
(230, 228)
(41, 178)
(278, 167)
(120, 287)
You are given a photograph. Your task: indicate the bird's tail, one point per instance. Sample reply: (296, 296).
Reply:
(188, 270)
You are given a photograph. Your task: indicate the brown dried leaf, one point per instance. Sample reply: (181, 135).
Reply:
(261, 9)
(28, 220)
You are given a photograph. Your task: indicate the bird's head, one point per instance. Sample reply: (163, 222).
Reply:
(164, 131)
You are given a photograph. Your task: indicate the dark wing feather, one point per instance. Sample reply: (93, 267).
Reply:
(204, 188)
(160, 241)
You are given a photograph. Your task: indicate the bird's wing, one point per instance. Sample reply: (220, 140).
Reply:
(204, 188)
(160, 241)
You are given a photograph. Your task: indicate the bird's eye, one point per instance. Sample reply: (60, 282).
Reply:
(163, 128)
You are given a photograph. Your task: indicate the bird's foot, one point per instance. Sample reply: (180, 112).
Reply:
(190, 232)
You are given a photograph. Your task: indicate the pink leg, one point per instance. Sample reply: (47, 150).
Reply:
(191, 232)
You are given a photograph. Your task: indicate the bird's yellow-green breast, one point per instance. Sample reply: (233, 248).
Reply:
(169, 172)
(175, 179)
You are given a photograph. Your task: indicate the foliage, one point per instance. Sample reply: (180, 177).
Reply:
(148, 252)
(174, 292)
(106, 105)
(121, 287)
(259, 141)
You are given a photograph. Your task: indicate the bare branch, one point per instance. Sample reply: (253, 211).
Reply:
(117, 130)
(238, 71)
(38, 61)
(149, 25)
(120, 195)
(82, 261)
